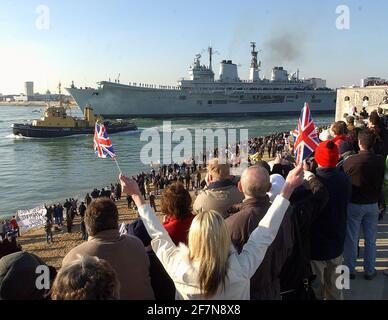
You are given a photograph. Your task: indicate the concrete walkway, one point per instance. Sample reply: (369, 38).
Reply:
(377, 289)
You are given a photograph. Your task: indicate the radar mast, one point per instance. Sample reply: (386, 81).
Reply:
(255, 66)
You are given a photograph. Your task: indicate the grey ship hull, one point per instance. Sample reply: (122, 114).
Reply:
(114, 100)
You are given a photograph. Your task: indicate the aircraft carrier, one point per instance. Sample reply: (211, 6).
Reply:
(204, 96)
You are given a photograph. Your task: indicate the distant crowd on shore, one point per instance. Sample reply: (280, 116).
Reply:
(277, 232)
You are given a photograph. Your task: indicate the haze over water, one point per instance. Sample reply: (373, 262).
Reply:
(35, 171)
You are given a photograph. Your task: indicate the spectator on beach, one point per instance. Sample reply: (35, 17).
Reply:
(7, 227)
(88, 199)
(255, 183)
(95, 194)
(87, 278)
(193, 180)
(118, 191)
(48, 228)
(198, 179)
(2, 224)
(67, 206)
(176, 205)
(209, 268)
(329, 229)
(153, 201)
(69, 222)
(49, 212)
(73, 208)
(58, 214)
(125, 254)
(15, 226)
(221, 193)
(83, 229)
(366, 171)
(18, 277)
(82, 209)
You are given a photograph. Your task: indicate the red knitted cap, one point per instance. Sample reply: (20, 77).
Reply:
(327, 154)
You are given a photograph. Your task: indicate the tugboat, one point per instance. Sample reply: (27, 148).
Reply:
(56, 123)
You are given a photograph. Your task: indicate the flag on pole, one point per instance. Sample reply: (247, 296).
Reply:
(305, 137)
(102, 144)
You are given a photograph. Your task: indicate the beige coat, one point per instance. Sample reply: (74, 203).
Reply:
(218, 199)
(127, 256)
(241, 267)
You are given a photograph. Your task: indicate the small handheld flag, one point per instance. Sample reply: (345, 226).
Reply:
(305, 137)
(102, 143)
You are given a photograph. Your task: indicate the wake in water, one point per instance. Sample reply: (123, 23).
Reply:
(16, 137)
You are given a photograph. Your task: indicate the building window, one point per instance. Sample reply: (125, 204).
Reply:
(347, 98)
(182, 98)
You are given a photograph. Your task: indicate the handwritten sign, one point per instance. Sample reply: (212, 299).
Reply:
(30, 219)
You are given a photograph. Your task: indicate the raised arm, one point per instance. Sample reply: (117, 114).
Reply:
(262, 237)
(162, 244)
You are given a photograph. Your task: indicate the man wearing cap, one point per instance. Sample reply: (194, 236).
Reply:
(329, 229)
(18, 277)
(366, 170)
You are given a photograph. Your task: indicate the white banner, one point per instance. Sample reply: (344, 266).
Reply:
(29, 219)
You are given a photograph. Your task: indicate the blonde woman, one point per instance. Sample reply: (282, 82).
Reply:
(209, 267)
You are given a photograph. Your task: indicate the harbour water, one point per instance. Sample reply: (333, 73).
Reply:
(37, 171)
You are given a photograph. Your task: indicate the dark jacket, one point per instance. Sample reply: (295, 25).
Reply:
(328, 231)
(307, 203)
(265, 283)
(366, 171)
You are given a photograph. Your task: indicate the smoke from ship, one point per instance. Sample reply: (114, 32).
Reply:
(284, 47)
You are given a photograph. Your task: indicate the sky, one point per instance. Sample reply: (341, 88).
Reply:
(154, 42)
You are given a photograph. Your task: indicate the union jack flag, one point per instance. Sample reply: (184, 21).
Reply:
(305, 137)
(102, 144)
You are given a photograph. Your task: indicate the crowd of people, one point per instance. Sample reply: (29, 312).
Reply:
(277, 232)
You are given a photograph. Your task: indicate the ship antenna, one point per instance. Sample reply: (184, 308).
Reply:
(210, 58)
(60, 94)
